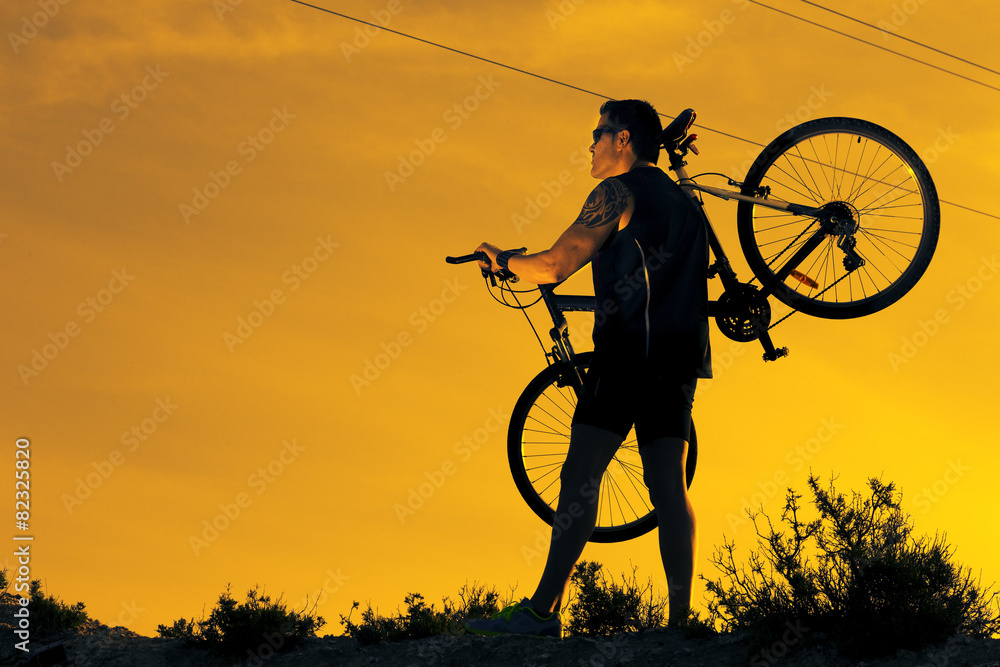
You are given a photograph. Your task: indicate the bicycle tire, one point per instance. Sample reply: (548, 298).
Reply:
(865, 171)
(545, 410)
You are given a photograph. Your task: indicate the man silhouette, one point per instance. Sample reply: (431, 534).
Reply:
(649, 251)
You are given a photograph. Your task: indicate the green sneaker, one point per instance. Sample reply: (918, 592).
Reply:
(518, 619)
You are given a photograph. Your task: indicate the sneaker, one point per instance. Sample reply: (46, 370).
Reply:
(518, 619)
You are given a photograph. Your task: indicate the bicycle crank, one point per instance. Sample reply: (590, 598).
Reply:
(743, 314)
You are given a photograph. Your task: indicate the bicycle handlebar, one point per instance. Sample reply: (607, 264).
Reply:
(503, 274)
(480, 256)
(462, 259)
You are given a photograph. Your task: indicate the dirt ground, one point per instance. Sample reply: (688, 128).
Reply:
(101, 646)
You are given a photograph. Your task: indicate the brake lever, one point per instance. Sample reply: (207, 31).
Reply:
(505, 274)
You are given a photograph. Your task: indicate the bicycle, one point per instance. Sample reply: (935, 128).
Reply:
(870, 203)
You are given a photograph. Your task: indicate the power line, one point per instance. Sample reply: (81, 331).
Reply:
(499, 64)
(912, 41)
(567, 85)
(448, 48)
(969, 208)
(864, 41)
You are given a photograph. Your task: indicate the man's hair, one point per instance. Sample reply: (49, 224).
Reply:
(642, 122)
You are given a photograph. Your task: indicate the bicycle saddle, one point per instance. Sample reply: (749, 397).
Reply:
(673, 134)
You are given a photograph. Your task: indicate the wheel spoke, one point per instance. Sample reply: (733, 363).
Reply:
(852, 168)
(543, 443)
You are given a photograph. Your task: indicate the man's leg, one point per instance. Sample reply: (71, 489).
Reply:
(591, 450)
(663, 462)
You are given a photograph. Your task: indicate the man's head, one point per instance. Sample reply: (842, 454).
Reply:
(633, 129)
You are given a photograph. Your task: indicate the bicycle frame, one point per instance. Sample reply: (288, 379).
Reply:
(721, 265)
(826, 217)
(539, 436)
(828, 226)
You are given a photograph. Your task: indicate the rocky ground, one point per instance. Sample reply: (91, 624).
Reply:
(101, 646)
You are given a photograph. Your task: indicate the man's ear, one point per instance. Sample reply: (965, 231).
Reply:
(624, 137)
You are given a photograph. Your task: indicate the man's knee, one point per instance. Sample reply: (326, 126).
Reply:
(663, 472)
(666, 495)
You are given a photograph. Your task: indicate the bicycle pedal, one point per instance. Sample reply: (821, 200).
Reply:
(777, 354)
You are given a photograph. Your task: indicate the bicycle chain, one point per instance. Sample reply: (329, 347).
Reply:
(795, 310)
(832, 285)
(788, 246)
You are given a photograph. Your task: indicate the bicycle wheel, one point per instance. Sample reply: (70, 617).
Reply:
(877, 186)
(537, 444)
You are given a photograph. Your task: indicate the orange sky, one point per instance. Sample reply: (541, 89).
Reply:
(201, 243)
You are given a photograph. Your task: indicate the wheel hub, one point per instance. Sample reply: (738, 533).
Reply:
(845, 218)
(845, 222)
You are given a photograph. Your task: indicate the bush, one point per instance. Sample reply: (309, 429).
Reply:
(421, 621)
(256, 626)
(603, 607)
(599, 607)
(855, 573)
(49, 615)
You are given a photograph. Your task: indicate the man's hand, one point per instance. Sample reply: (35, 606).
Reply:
(492, 251)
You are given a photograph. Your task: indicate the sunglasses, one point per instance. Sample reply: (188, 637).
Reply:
(601, 130)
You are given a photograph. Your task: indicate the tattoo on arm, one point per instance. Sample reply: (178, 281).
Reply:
(604, 205)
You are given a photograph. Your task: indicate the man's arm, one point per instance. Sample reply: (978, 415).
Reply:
(601, 214)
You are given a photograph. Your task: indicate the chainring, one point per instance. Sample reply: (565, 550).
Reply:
(753, 313)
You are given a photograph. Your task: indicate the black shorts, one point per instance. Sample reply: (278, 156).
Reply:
(617, 396)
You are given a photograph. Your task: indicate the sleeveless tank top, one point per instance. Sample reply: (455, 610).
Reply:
(651, 282)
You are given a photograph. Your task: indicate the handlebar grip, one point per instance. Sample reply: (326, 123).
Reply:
(482, 256)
